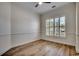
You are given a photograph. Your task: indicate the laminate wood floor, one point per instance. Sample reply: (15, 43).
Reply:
(42, 48)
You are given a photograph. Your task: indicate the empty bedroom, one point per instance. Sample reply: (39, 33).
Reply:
(39, 28)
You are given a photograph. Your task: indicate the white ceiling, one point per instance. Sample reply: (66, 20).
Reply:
(42, 8)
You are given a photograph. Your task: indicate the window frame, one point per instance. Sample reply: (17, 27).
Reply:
(54, 27)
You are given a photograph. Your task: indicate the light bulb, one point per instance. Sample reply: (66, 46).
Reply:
(40, 3)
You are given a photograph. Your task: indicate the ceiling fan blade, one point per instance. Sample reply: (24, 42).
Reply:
(53, 6)
(46, 2)
(37, 5)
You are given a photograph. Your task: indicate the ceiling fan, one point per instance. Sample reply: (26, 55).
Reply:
(40, 3)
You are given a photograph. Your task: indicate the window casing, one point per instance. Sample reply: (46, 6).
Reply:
(55, 27)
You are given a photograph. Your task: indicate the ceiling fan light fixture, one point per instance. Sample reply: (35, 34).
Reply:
(40, 3)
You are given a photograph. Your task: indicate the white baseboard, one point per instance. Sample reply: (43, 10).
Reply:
(58, 42)
(25, 42)
(4, 51)
(18, 45)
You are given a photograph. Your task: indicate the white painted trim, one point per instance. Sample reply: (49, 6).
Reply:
(59, 42)
(77, 34)
(5, 51)
(25, 42)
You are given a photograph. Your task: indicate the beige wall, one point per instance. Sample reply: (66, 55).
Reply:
(24, 25)
(69, 12)
(17, 26)
(5, 27)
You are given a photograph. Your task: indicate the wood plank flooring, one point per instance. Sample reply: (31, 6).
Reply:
(42, 48)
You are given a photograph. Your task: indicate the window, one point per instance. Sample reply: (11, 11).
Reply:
(51, 27)
(55, 27)
(47, 27)
(62, 26)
